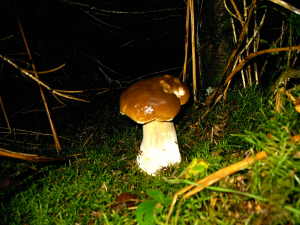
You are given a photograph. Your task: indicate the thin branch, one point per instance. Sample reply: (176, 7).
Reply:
(16, 131)
(37, 80)
(254, 54)
(99, 21)
(229, 11)
(235, 42)
(194, 71)
(5, 114)
(222, 173)
(50, 70)
(27, 157)
(238, 14)
(213, 178)
(186, 43)
(107, 11)
(242, 36)
(42, 93)
(256, 32)
(286, 6)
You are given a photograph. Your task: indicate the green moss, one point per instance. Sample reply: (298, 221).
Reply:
(84, 190)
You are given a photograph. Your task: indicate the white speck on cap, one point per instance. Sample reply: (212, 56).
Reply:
(148, 109)
(157, 98)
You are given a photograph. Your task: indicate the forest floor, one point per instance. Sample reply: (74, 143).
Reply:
(102, 184)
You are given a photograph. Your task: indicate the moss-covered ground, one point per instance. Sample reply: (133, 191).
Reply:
(102, 184)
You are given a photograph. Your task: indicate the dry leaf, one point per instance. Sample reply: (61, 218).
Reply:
(297, 101)
(125, 200)
(297, 155)
(297, 108)
(97, 214)
(295, 138)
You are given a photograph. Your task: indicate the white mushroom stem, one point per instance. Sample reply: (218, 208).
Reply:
(159, 147)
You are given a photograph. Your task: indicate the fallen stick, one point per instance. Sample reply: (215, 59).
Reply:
(28, 157)
(213, 178)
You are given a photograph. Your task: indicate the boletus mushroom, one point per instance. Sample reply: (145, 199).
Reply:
(154, 102)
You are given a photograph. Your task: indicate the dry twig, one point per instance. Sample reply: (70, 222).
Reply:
(213, 178)
(254, 54)
(5, 114)
(221, 92)
(50, 70)
(43, 96)
(194, 65)
(27, 157)
(286, 5)
(59, 93)
(186, 43)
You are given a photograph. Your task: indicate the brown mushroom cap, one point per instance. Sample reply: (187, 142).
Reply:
(156, 98)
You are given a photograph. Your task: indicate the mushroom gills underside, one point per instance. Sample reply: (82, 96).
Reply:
(159, 147)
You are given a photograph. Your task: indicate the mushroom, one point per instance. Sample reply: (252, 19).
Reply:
(154, 102)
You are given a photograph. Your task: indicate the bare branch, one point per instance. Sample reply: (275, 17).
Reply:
(37, 80)
(286, 6)
(27, 157)
(106, 11)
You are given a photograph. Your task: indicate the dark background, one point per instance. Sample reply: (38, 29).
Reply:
(104, 44)
(133, 38)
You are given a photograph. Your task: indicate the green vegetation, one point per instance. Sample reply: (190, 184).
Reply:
(87, 190)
